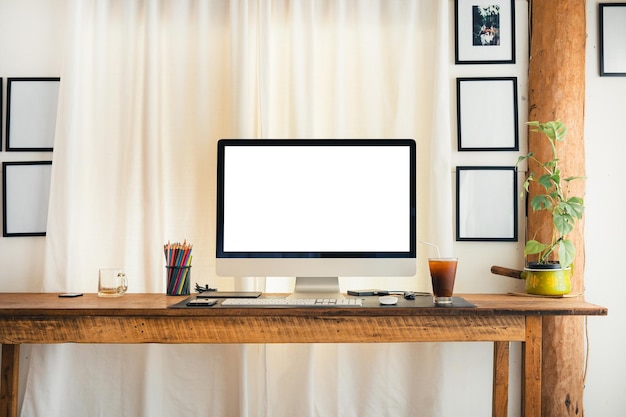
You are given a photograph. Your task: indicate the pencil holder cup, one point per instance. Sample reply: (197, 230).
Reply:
(178, 278)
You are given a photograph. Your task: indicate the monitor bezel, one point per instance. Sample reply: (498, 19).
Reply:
(224, 143)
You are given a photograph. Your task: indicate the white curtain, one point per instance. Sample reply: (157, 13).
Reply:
(147, 88)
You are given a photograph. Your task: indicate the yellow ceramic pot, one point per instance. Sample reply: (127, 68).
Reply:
(547, 281)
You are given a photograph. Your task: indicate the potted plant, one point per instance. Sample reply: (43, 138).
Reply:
(550, 274)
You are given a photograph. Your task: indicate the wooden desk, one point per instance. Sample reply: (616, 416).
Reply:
(145, 318)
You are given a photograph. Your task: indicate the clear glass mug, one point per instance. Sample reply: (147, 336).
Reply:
(112, 283)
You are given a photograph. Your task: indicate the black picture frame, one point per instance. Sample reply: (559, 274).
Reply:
(487, 114)
(486, 203)
(25, 196)
(1, 107)
(611, 36)
(485, 33)
(31, 113)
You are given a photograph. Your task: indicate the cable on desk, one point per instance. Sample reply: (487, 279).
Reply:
(204, 289)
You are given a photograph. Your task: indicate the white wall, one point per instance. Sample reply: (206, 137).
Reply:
(31, 45)
(476, 258)
(31, 40)
(605, 146)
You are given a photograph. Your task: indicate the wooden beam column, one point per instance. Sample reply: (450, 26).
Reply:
(557, 91)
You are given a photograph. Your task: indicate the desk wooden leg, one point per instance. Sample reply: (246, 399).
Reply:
(500, 399)
(9, 380)
(531, 395)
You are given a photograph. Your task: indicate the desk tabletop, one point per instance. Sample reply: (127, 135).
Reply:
(134, 304)
(147, 318)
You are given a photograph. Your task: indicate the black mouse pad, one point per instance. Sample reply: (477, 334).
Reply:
(368, 302)
(420, 301)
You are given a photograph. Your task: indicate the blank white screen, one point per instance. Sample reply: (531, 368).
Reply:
(317, 199)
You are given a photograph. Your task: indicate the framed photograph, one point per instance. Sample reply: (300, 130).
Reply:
(486, 203)
(612, 26)
(31, 113)
(25, 195)
(484, 33)
(487, 118)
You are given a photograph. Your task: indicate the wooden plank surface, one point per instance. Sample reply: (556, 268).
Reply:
(531, 401)
(43, 304)
(268, 329)
(145, 318)
(9, 381)
(500, 399)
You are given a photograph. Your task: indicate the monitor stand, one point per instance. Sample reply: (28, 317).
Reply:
(316, 287)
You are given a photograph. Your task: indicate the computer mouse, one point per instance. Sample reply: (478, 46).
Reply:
(388, 300)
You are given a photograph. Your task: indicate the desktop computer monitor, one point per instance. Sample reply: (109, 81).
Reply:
(316, 210)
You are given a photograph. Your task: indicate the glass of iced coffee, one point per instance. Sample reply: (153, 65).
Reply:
(442, 273)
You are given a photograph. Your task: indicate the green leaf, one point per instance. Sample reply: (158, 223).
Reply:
(533, 247)
(554, 130)
(551, 164)
(540, 202)
(560, 130)
(522, 158)
(547, 181)
(567, 252)
(575, 207)
(564, 223)
(554, 195)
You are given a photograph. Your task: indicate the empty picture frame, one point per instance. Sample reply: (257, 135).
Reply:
(486, 203)
(31, 113)
(484, 33)
(25, 195)
(1, 112)
(612, 27)
(487, 118)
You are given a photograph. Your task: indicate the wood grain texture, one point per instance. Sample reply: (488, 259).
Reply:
(9, 381)
(34, 305)
(557, 91)
(531, 400)
(146, 318)
(500, 398)
(562, 387)
(264, 329)
(556, 81)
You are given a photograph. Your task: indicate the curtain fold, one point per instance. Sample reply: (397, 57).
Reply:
(147, 89)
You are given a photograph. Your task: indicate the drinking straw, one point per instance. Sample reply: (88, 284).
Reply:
(434, 246)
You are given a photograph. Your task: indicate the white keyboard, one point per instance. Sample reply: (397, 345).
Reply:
(292, 302)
